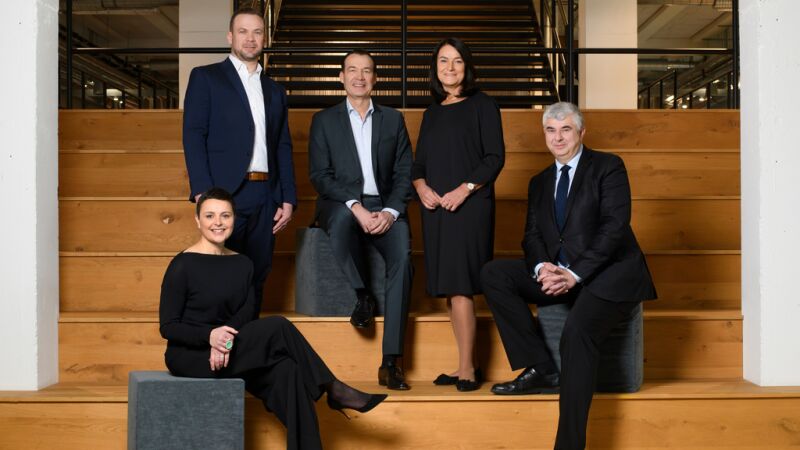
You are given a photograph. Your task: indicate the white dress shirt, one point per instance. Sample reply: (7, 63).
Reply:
(255, 97)
(573, 165)
(362, 134)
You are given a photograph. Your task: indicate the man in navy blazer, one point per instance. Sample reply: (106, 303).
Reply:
(579, 249)
(236, 136)
(360, 164)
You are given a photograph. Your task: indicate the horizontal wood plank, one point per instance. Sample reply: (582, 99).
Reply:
(527, 423)
(133, 283)
(676, 347)
(164, 174)
(103, 226)
(606, 129)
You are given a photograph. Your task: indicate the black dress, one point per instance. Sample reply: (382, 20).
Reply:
(459, 143)
(201, 292)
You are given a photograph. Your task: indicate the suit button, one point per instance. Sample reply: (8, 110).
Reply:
(359, 180)
(561, 240)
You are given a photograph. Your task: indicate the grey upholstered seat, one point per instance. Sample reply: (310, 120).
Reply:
(171, 413)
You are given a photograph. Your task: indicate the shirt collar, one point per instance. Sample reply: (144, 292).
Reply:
(350, 108)
(240, 66)
(572, 163)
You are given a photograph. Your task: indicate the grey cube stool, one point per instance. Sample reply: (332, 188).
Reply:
(621, 355)
(171, 413)
(321, 288)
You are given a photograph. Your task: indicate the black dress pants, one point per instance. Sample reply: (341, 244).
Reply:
(252, 232)
(509, 288)
(348, 242)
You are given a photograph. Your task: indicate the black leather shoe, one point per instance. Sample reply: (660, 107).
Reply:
(445, 380)
(392, 377)
(529, 382)
(363, 312)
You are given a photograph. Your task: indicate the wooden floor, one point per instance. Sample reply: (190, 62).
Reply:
(123, 215)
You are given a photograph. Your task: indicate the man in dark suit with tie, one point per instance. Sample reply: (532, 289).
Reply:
(579, 249)
(236, 136)
(360, 164)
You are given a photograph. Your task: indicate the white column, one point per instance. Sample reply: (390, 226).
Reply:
(607, 81)
(770, 68)
(202, 23)
(29, 187)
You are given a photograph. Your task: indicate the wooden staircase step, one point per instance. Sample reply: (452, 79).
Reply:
(663, 415)
(132, 283)
(164, 174)
(616, 131)
(96, 225)
(104, 347)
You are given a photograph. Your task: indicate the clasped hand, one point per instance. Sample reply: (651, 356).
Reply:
(449, 201)
(220, 353)
(555, 280)
(373, 222)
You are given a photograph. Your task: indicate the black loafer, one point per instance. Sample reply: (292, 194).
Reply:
(363, 312)
(392, 377)
(468, 385)
(529, 382)
(445, 380)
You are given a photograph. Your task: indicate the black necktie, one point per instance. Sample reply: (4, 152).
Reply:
(562, 191)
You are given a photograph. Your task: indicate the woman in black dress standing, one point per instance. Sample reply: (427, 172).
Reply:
(206, 308)
(460, 152)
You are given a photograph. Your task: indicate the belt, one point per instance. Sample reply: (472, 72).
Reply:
(257, 176)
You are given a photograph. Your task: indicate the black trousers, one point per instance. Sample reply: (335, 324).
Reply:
(348, 242)
(509, 288)
(252, 232)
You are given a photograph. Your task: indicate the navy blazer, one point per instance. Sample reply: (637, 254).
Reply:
(218, 132)
(334, 166)
(597, 238)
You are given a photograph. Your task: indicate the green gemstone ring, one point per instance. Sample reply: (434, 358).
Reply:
(228, 345)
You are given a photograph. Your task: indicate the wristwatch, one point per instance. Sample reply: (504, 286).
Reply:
(471, 187)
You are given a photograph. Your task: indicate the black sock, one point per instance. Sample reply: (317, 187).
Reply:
(546, 367)
(361, 293)
(389, 360)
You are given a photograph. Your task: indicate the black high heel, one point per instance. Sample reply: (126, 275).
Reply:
(374, 400)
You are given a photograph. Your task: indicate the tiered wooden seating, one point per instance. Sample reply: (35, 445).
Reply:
(124, 214)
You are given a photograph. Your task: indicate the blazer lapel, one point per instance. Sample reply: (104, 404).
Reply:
(347, 130)
(377, 118)
(580, 175)
(265, 89)
(233, 77)
(549, 194)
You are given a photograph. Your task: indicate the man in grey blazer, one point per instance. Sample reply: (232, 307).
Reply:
(360, 164)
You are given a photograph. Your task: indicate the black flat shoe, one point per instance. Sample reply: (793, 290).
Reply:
(374, 400)
(529, 382)
(468, 385)
(445, 380)
(392, 377)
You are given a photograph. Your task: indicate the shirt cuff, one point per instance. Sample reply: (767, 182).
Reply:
(535, 274)
(350, 203)
(391, 211)
(575, 275)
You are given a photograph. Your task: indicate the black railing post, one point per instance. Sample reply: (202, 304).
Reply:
(124, 98)
(83, 90)
(404, 45)
(675, 89)
(139, 86)
(728, 90)
(735, 56)
(69, 54)
(570, 52)
(708, 95)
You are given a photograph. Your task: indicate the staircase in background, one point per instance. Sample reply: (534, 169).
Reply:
(516, 78)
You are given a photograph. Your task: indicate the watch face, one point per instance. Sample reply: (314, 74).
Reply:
(471, 186)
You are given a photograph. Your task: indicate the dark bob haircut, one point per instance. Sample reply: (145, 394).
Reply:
(215, 193)
(361, 52)
(468, 86)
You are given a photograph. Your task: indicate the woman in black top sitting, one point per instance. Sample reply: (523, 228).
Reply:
(206, 309)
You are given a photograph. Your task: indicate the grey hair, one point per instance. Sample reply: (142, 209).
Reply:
(562, 110)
